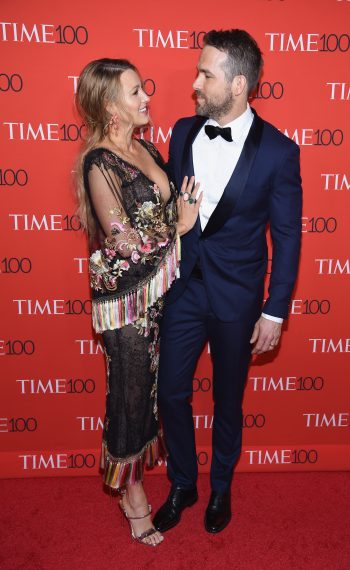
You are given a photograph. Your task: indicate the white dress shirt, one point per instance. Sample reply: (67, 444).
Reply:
(214, 160)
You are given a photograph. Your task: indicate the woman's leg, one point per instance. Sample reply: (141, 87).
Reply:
(136, 505)
(131, 424)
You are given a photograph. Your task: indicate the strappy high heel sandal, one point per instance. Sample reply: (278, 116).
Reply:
(146, 533)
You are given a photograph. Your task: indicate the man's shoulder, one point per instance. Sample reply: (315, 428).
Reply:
(277, 137)
(184, 124)
(186, 121)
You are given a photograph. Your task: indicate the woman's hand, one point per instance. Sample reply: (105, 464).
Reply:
(187, 205)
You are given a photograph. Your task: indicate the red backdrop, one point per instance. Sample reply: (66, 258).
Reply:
(53, 381)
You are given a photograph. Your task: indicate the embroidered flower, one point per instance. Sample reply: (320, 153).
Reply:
(117, 226)
(145, 247)
(163, 242)
(111, 281)
(119, 266)
(135, 256)
(110, 253)
(98, 262)
(146, 210)
(105, 269)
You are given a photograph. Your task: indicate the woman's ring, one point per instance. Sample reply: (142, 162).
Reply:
(186, 196)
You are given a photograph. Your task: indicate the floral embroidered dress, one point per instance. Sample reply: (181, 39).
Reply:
(136, 260)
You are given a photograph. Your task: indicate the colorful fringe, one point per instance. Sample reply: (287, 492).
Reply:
(109, 314)
(120, 472)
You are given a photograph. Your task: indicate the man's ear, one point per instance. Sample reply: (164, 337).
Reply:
(239, 85)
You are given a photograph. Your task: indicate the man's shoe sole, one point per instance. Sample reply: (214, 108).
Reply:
(219, 529)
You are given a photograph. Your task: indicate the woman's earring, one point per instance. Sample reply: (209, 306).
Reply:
(114, 122)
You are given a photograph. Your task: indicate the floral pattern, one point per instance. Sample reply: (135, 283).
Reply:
(105, 269)
(141, 244)
(149, 326)
(129, 173)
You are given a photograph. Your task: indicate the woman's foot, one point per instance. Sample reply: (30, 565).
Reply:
(137, 511)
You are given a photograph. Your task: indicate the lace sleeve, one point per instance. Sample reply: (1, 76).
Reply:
(105, 193)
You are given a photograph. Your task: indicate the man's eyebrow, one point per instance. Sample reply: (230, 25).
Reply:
(204, 70)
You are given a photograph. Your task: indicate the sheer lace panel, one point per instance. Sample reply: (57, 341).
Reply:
(105, 193)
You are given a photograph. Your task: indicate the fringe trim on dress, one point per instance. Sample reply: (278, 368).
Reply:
(120, 472)
(110, 314)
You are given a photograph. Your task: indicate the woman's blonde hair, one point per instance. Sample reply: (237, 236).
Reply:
(98, 85)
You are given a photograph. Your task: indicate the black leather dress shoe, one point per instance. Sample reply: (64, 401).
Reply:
(169, 514)
(218, 513)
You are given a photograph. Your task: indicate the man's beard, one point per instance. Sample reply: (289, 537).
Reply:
(215, 110)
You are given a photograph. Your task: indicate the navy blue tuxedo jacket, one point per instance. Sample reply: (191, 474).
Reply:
(265, 188)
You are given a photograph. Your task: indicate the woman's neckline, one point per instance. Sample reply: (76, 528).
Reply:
(144, 145)
(141, 142)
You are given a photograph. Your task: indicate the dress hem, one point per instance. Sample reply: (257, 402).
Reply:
(119, 472)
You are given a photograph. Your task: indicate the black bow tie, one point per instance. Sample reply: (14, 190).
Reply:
(213, 132)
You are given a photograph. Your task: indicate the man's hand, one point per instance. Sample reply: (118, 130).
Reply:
(266, 335)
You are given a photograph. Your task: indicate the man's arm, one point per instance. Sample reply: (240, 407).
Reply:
(285, 226)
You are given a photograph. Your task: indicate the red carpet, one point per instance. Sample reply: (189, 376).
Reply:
(281, 521)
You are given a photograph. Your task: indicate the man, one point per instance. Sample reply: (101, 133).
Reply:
(249, 175)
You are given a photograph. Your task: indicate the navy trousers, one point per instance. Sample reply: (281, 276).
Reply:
(187, 324)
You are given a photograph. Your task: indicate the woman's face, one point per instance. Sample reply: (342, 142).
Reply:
(132, 108)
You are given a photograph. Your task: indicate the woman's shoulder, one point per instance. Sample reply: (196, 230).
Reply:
(96, 154)
(107, 159)
(91, 157)
(103, 157)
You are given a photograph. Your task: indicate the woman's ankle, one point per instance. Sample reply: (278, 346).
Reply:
(136, 496)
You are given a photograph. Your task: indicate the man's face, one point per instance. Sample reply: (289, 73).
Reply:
(213, 92)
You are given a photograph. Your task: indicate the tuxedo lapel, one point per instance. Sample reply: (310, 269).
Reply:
(238, 180)
(187, 157)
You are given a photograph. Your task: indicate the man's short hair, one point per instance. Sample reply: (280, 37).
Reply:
(243, 54)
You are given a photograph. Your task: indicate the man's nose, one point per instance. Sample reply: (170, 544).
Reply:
(196, 84)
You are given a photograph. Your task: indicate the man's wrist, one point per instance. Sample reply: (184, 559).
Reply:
(278, 320)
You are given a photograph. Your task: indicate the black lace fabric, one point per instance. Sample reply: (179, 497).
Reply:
(134, 229)
(131, 412)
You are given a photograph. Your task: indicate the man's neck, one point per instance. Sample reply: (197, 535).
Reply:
(236, 112)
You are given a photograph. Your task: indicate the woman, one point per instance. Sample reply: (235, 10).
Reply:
(128, 206)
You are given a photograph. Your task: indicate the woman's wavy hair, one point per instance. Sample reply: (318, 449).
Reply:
(98, 85)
